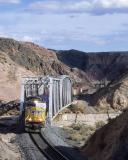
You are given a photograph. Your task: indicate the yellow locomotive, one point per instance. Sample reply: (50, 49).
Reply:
(34, 114)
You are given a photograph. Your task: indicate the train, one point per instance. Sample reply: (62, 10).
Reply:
(34, 114)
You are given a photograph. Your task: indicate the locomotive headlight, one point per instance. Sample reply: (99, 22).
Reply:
(35, 102)
(30, 119)
(40, 119)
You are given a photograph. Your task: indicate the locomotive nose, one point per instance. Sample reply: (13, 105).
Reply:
(30, 119)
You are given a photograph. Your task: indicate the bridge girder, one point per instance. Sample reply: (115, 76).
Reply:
(59, 92)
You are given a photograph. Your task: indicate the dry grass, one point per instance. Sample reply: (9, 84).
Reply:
(75, 109)
(79, 133)
(99, 124)
(76, 137)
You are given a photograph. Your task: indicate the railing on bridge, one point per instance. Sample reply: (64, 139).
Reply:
(57, 92)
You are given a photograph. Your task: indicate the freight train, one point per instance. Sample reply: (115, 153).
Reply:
(34, 115)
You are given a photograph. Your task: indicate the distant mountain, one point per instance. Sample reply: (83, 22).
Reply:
(97, 66)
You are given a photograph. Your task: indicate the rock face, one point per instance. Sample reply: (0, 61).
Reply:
(110, 142)
(10, 77)
(19, 59)
(31, 56)
(109, 69)
(114, 96)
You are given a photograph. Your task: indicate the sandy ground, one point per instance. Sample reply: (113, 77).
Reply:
(10, 78)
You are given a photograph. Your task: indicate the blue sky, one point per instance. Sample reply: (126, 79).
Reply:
(87, 25)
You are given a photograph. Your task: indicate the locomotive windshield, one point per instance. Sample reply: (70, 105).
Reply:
(32, 101)
(30, 104)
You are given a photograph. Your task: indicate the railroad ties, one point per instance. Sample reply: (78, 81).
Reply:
(49, 151)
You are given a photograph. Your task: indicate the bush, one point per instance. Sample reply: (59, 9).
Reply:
(76, 126)
(77, 108)
(79, 132)
(99, 124)
(76, 137)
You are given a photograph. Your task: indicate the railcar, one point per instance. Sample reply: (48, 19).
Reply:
(34, 114)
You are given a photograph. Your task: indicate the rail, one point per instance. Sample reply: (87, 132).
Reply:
(49, 151)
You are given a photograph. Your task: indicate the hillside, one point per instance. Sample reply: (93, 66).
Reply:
(10, 77)
(114, 95)
(18, 59)
(97, 66)
(32, 57)
(109, 142)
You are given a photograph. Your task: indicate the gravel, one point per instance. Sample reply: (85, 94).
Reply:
(54, 136)
(28, 149)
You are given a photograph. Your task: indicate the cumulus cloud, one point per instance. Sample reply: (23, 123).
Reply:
(81, 6)
(10, 1)
(59, 31)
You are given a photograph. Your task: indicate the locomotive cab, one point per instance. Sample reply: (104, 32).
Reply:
(35, 114)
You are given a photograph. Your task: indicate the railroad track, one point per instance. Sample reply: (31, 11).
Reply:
(45, 148)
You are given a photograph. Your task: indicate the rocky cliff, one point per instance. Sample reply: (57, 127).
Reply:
(97, 66)
(109, 142)
(114, 95)
(18, 59)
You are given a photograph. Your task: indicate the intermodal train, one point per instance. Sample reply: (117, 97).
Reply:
(34, 115)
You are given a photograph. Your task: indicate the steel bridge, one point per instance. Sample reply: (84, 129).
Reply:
(57, 92)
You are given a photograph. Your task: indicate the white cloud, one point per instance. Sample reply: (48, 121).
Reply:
(10, 1)
(59, 31)
(81, 6)
(111, 3)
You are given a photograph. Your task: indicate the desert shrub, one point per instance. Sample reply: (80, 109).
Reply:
(79, 133)
(66, 110)
(99, 124)
(89, 128)
(69, 130)
(77, 108)
(76, 137)
(76, 126)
